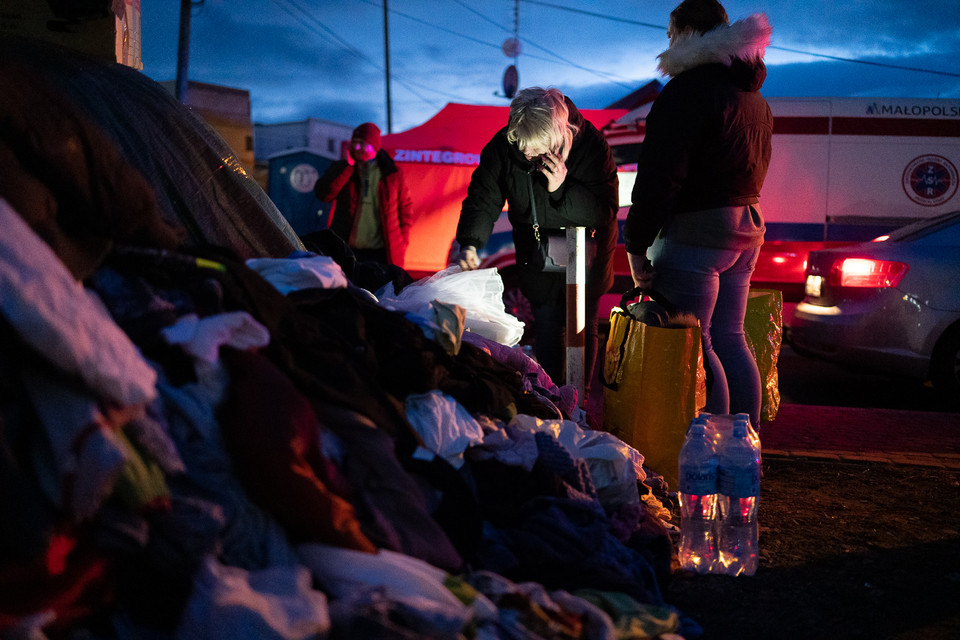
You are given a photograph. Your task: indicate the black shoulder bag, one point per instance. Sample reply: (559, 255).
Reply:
(548, 251)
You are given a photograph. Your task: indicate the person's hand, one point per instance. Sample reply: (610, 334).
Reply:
(642, 270)
(644, 279)
(555, 169)
(467, 259)
(345, 153)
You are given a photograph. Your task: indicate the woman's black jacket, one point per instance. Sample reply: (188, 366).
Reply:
(588, 198)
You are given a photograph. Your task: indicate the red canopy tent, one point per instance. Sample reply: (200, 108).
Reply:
(438, 158)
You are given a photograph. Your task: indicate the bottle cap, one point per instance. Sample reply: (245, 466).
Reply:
(739, 428)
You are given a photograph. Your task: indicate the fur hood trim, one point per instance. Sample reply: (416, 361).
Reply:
(745, 39)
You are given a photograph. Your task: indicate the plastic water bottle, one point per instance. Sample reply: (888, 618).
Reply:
(714, 425)
(698, 500)
(752, 433)
(738, 474)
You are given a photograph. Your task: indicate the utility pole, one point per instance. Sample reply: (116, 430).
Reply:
(183, 50)
(386, 52)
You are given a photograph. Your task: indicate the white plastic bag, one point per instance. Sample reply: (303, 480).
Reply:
(276, 602)
(478, 292)
(444, 425)
(615, 467)
(345, 571)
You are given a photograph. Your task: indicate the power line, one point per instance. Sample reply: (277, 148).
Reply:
(496, 46)
(330, 34)
(806, 53)
(450, 31)
(871, 63)
(444, 29)
(597, 15)
(597, 72)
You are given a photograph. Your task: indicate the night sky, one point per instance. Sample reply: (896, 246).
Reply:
(325, 59)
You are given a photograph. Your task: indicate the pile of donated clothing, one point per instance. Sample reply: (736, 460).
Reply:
(210, 428)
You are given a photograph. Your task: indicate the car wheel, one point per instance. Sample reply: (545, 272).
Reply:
(517, 305)
(945, 365)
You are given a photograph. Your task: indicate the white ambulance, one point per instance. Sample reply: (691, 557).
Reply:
(843, 170)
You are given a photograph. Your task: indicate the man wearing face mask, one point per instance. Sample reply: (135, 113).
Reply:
(550, 165)
(372, 209)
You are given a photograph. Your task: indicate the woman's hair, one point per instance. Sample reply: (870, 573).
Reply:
(700, 15)
(540, 117)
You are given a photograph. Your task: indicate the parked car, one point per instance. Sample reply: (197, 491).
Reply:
(889, 306)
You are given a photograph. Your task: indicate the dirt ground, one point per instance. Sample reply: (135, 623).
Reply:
(847, 550)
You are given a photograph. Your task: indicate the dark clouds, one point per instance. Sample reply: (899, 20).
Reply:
(847, 79)
(329, 63)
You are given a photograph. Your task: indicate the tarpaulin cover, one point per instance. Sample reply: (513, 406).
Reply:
(763, 326)
(199, 183)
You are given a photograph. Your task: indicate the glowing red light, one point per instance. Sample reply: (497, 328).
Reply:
(866, 272)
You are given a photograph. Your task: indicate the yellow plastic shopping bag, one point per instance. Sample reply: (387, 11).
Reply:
(654, 381)
(763, 326)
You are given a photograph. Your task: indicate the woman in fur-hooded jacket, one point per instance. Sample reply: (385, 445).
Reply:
(695, 227)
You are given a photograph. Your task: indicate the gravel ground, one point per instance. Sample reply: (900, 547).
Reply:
(847, 550)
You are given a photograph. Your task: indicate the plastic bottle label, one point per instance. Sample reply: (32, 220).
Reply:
(739, 483)
(698, 481)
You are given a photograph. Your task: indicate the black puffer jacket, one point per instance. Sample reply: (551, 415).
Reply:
(587, 198)
(707, 142)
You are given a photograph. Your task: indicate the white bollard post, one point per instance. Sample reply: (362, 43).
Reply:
(576, 321)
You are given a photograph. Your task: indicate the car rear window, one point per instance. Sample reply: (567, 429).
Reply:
(947, 235)
(937, 230)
